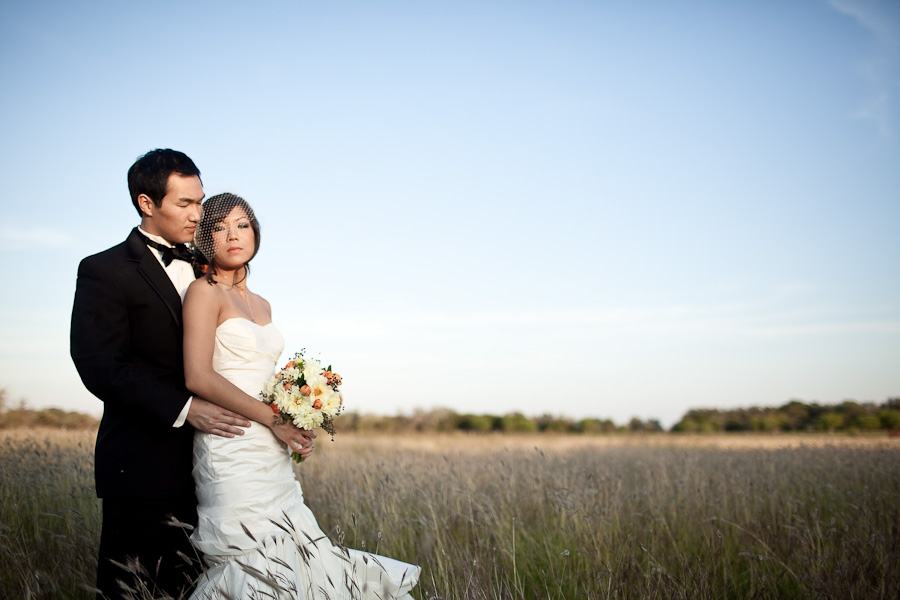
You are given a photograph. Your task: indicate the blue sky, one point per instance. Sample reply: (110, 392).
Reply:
(607, 209)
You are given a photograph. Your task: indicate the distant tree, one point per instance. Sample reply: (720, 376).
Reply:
(890, 418)
(517, 422)
(739, 419)
(851, 410)
(686, 425)
(775, 420)
(797, 415)
(476, 423)
(701, 420)
(438, 419)
(831, 421)
(816, 410)
(867, 422)
(595, 426)
(653, 425)
(550, 423)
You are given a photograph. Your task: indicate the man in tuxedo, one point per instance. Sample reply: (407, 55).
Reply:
(126, 342)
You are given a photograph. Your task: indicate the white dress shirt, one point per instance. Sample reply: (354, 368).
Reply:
(182, 275)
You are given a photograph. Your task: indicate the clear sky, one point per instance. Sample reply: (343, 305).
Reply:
(608, 209)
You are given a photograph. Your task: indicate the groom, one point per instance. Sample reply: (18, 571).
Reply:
(126, 342)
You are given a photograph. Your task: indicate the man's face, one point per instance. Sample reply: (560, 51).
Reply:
(176, 218)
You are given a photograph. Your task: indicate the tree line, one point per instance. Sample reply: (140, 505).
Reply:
(22, 417)
(795, 416)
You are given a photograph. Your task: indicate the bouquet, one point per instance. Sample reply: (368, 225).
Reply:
(304, 394)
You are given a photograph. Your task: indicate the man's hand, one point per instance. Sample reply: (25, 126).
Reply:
(211, 418)
(298, 440)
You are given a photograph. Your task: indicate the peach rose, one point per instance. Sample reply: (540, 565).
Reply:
(305, 390)
(317, 405)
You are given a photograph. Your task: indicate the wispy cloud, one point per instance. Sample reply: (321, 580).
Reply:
(871, 15)
(42, 237)
(879, 70)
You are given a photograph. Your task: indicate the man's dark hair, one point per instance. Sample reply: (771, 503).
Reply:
(150, 174)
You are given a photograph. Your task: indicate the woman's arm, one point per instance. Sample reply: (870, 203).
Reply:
(202, 305)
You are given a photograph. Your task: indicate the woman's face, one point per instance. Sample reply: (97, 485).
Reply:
(233, 240)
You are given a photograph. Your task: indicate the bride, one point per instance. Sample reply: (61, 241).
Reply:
(258, 537)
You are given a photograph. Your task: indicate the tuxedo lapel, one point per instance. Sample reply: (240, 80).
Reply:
(153, 272)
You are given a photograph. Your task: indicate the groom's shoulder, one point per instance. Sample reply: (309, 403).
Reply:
(118, 254)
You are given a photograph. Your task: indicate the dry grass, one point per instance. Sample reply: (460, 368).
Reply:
(656, 516)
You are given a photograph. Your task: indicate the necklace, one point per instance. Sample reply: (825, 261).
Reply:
(242, 290)
(247, 302)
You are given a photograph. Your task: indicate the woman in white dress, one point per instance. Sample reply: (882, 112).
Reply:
(257, 536)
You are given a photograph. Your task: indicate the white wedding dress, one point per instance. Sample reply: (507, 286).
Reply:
(258, 537)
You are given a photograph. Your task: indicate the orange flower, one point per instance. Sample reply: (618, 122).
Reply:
(291, 364)
(286, 385)
(274, 408)
(317, 405)
(305, 390)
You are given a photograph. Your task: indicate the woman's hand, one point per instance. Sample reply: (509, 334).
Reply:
(298, 440)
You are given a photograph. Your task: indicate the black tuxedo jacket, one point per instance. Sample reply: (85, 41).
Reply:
(126, 344)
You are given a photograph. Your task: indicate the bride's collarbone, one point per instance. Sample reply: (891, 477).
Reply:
(243, 304)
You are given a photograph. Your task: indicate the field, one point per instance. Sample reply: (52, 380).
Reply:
(516, 517)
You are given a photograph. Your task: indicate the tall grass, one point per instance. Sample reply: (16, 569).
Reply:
(49, 514)
(538, 517)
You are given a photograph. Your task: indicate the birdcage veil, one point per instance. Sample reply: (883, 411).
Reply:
(215, 210)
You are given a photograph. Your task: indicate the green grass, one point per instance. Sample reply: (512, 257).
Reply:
(535, 517)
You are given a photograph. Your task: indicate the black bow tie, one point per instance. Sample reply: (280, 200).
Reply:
(179, 252)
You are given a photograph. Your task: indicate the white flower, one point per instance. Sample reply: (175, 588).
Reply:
(269, 388)
(332, 405)
(308, 420)
(311, 368)
(321, 391)
(315, 381)
(282, 397)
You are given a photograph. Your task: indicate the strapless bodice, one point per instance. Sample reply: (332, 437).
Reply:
(246, 353)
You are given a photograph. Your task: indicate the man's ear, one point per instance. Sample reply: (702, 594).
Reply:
(146, 205)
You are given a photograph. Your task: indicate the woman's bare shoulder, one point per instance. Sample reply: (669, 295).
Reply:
(268, 307)
(202, 290)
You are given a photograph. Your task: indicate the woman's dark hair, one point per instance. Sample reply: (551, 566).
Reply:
(150, 174)
(215, 209)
